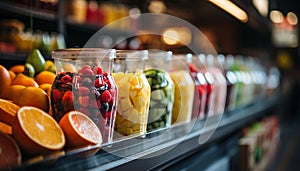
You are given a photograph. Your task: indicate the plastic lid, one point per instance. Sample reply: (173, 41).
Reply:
(80, 53)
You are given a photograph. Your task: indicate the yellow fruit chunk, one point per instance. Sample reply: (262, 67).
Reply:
(33, 96)
(183, 98)
(36, 132)
(133, 103)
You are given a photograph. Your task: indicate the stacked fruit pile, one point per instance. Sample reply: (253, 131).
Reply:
(27, 128)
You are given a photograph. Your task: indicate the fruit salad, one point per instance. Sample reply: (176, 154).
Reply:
(162, 99)
(184, 96)
(90, 91)
(133, 103)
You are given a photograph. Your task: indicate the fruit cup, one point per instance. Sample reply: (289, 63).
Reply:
(84, 83)
(162, 90)
(134, 93)
(184, 91)
(195, 67)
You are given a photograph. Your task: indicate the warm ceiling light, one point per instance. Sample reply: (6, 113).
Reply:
(170, 36)
(157, 6)
(262, 6)
(276, 16)
(232, 9)
(292, 18)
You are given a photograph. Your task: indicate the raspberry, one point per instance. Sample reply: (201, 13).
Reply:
(193, 68)
(83, 91)
(68, 97)
(78, 79)
(65, 79)
(98, 83)
(84, 100)
(105, 96)
(105, 74)
(56, 94)
(86, 67)
(87, 72)
(98, 70)
(108, 83)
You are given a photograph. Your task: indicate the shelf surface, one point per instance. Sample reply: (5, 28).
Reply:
(156, 147)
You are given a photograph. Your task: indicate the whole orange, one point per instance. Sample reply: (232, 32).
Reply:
(45, 77)
(5, 80)
(33, 96)
(24, 80)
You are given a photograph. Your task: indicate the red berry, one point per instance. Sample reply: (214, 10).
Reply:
(56, 94)
(193, 68)
(78, 79)
(87, 72)
(83, 91)
(105, 74)
(84, 100)
(98, 70)
(66, 79)
(98, 83)
(79, 72)
(105, 96)
(68, 97)
(108, 83)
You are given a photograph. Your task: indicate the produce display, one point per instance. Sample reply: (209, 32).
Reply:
(84, 104)
(162, 98)
(184, 96)
(133, 103)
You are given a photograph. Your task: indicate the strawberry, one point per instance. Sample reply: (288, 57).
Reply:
(84, 100)
(86, 72)
(83, 91)
(65, 79)
(56, 94)
(105, 96)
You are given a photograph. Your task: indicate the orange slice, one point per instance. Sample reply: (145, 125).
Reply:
(37, 132)
(5, 128)
(8, 111)
(80, 130)
(10, 154)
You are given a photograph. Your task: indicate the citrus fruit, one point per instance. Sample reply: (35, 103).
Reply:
(24, 80)
(11, 74)
(7, 129)
(45, 77)
(80, 130)
(49, 66)
(10, 154)
(8, 111)
(46, 87)
(17, 69)
(13, 92)
(5, 80)
(36, 132)
(33, 96)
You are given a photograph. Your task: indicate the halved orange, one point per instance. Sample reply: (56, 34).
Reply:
(80, 130)
(37, 132)
(10, 154)
(7, 129)
(8, 111)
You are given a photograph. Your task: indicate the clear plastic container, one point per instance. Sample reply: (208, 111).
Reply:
(134, 92)
(162, 90)
(184, 92)
(84, 83)
(196, 68)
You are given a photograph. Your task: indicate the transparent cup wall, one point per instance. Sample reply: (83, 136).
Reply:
(83, 83)
(162, 90)
(184, 92)
(220, 87)
(195, 66)
(134, 92)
